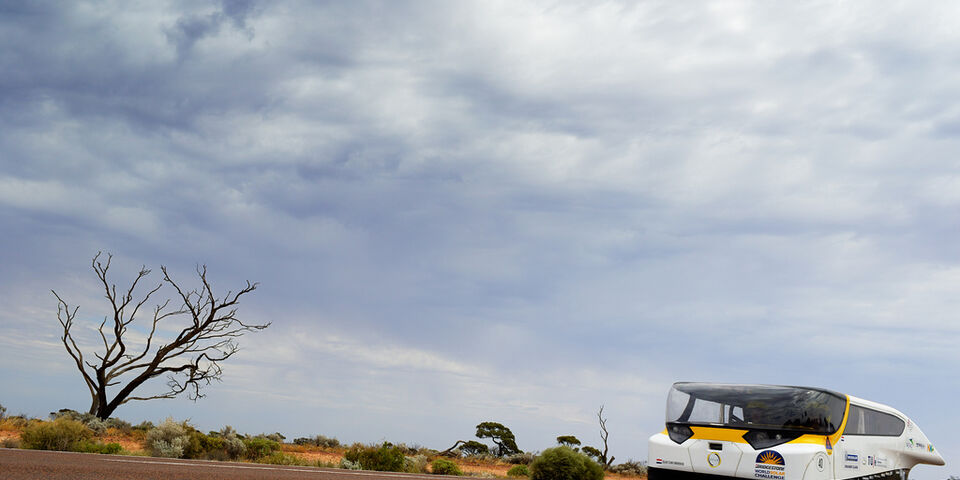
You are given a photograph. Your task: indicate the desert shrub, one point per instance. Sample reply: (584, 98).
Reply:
(280, 458)
(232, 444)
(97, 447)
(319, 441)
(385, 458)
(169, 439)
(442, 466)
(415, 464)
(259, 447)
(520, 470)
(99, 427)
(9, 443)
(3, 411)
(348, 465)
(630, 467)
(122, 425)
(144, 426)
(276, 437)
(61, 434)
(194, 446)
(563, 463)
(524, 458)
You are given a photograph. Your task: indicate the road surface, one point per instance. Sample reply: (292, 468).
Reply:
(37, 464)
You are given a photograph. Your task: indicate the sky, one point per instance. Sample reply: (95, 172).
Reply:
(503, 211)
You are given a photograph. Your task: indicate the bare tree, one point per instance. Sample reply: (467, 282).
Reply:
(604, 434)
(189, 360)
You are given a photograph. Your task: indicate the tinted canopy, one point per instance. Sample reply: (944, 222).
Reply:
(767, 407)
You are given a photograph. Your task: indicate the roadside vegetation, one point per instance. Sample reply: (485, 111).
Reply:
(68, 430)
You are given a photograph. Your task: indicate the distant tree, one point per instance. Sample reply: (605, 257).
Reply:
(189, 360)
(592, 452)
(501, 436)
(473, 447)
(604, 434)
(466, 447)
(569, 441)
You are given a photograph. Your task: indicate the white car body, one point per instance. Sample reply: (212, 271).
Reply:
(783, 433)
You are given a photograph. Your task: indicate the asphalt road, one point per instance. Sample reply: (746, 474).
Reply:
(36, 464)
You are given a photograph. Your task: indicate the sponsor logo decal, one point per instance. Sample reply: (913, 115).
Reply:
(930, 448)
(829, 446)
(770, 465)
(851, 461)
(852, 457)
(713, 460)
(870, 460)
(659, 461)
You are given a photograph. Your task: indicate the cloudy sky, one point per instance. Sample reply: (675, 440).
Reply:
(507, 211)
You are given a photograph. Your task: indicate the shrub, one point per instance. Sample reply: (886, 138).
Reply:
(99, 427)
(415, 464)
(519, 471)
(319, 440)
(280, 458)
(97, 447)
(259, 447)
(348, 465)
(3, 411)
(525, 458)
(630, 467)
(144, 426)
(442, 466)
(121, 425)
(385, 458)
(233, 445)
(61, 434)
(276, 437)
(563, 463)
(9, 443)
(169, 439)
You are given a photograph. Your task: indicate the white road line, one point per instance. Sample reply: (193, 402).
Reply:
(265, 467)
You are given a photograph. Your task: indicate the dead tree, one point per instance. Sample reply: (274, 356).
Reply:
(190, 359)
(604, 434)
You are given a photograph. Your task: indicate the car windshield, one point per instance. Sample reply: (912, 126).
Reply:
(756, 407)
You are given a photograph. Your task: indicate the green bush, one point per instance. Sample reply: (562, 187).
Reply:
(385, 458)
(442, 466)
(563, 463)
(280, 458)
(518, 471)
(3, 412)
(259, 447)
(61, 434)
(97, 447)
